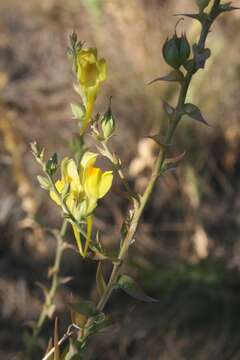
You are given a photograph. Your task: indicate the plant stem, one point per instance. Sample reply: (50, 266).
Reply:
(55, 280)
(158, 167)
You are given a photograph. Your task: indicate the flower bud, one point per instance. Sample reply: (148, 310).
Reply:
(202, 4)
(176, 51)
(108, 124)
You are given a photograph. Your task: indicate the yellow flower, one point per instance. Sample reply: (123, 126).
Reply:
(81, 188)
(91, 72)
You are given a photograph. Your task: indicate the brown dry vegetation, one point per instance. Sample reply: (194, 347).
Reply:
(187, 252)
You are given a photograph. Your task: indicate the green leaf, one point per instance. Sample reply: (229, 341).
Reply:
(44, 183)
(175, 75)
(158, 139)
(130, 286)
(227, 7)
(169, 110)
(101, 284)
(85, 308)
(77, 111)
(194, 112)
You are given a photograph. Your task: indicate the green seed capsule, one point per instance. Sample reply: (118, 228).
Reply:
(108, 124)
(176, 51)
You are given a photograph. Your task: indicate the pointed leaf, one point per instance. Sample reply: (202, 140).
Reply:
(175, 160)
(129, 285)
(101, 284)
(175, 75)
(194, 112)
(85, 308)
(77, 111)
(169, 110)
(227, 7)
(44, 182)
(158, 139)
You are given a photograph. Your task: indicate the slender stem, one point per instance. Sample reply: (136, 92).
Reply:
(55, 280)
(158, 168)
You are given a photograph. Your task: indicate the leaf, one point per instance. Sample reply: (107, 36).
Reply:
(81, 311)
(101, 284)
(65, 280)
(55, 341)
(85, 308)
(194, 112)
(77, 111)
(44, 183)
(129, 285)
(158, 139)
(175, 75)
(175, 160)
(227, 7)
(169, 110)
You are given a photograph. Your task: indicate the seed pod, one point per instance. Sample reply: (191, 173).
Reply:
(108, 123)
(202, 4)
(176, 50)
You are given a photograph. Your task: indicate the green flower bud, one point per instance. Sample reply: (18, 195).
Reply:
(202, 4)
(176, 50)
(108, 124)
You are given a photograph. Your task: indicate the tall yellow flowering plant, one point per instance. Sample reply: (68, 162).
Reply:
(82, 184)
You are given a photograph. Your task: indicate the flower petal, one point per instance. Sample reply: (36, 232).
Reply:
(105, 183)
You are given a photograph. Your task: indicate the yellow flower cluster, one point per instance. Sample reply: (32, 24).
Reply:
(81, 188)
(91, 72)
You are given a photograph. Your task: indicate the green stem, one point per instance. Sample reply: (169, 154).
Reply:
(55, 280)
(158, 168)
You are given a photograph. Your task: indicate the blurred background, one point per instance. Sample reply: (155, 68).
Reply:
(187, 250)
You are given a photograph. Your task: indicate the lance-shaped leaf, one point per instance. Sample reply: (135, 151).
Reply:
(227, 7)
(172, 163)
(194, 112)
(101, 284)
(169, 110)
(130, 286)
(175, 75)
(44, 182)
(81, 311)
(158, 139)
(77, 111)
(86, 308)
